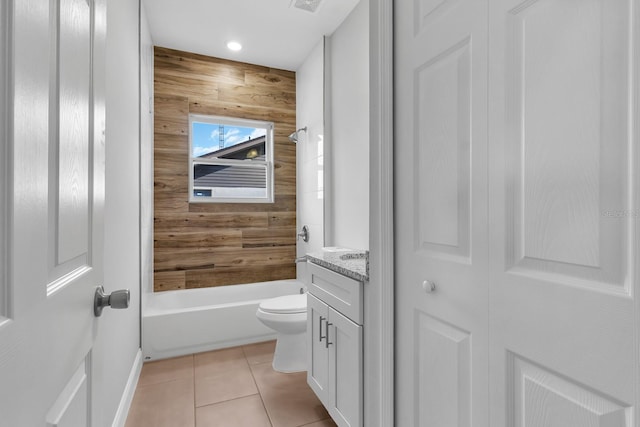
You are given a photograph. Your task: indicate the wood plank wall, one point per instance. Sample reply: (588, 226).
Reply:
(215, 244)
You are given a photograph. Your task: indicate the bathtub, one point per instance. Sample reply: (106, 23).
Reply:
(175, 323)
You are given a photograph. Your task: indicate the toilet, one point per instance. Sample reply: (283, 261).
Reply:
(287, 315)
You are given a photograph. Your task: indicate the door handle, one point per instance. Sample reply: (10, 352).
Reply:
(326, 335)
(320, 328)
(428, 286)
(116, 299)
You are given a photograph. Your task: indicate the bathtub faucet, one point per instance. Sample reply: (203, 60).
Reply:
(301, 259)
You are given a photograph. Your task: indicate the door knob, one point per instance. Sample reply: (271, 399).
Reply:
(116, 299)
(428, 286)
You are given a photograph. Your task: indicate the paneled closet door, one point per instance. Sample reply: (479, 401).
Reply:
(563, 212)
(441, 213)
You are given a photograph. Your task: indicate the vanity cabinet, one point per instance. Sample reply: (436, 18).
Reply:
(334, 344)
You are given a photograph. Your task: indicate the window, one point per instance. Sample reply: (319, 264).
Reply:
(231, 160)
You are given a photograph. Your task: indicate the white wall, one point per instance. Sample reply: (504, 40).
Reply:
(4, 170)
(348, 147)
(118, 334)
(310, 151)
(146, 152)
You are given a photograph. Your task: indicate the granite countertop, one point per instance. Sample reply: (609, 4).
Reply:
(352, 263)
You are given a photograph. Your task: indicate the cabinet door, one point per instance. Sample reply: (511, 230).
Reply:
(317, 353)
(345, 370)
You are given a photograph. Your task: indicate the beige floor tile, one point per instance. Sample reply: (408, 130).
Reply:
(216, 362)
(160, 371)
(243, 412)
(225, 382)
(261, 352)
(324, 423)
(167, 404)
(289, 401)
(235, 383)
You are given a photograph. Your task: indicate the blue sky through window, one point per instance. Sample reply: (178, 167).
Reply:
(206, 136)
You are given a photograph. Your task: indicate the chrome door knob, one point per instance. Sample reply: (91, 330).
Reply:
(116, 299)
(428, 286)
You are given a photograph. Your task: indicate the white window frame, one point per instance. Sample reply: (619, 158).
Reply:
(267, 163)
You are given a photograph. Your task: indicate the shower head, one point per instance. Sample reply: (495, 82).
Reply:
(294, 135)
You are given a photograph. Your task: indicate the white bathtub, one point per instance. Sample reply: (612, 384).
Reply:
(176, 323)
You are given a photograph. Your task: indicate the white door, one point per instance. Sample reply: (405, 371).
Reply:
(441, 213)
(562, 216)
(564, 212)
(55, 195)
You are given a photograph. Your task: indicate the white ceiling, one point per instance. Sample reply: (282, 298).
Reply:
(272, 33)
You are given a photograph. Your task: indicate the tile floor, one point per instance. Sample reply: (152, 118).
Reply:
(234, 387)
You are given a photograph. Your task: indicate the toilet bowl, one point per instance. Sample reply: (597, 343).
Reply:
(287, 315)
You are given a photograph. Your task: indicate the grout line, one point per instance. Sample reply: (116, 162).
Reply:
(265, 408)
(245, 353)
(258, 388)
(229, 400)
(262, 363)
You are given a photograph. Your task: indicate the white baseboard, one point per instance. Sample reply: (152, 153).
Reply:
(129, 391)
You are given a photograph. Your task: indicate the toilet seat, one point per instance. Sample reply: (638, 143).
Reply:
(287, 304)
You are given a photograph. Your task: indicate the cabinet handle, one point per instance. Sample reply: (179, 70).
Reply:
(320, 328)
(326, 332)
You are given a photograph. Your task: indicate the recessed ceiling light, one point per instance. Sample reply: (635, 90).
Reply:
(233, 45)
